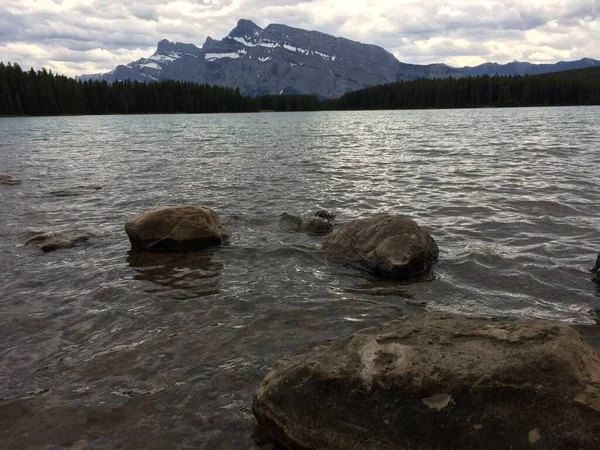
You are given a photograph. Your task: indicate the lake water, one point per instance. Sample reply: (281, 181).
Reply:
(100, 348)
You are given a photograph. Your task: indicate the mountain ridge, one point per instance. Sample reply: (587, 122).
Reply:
(280, 59)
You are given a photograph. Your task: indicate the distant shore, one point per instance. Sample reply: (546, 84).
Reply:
(41, 93)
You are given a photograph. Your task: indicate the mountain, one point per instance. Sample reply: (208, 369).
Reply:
(525, 68)
(276, 60)
(149, 69)
(284, 60)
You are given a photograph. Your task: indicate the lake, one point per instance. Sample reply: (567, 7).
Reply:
(101, 348)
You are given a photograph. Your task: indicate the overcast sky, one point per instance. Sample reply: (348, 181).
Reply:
(77, 36)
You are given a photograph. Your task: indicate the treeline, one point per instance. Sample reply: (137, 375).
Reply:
(43, 93)
(289, 103)
(34, 93)
(573, 87)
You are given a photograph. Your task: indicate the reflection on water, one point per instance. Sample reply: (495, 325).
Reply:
(181, 275)
(105, 348)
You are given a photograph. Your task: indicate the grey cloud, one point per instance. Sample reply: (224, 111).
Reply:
(136, 26)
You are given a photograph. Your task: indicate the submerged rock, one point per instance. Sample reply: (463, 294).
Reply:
(53, 240)
(320, 223)
(75, 191)
(438, 381)
(176, 228)
(391, 246)
(8, 180)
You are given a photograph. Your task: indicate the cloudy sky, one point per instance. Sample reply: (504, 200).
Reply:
(88, 36)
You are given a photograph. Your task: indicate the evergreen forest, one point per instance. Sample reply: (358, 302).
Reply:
(572, 87)
(41, 92)
(34, 93)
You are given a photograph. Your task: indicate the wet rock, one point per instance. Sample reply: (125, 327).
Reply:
(290, 222)
(319, 223)
(8, 180)
(227, 444)
(323, 213)
(54, 240)
(386, 245)
(177, 228)
(316, 225)
(496, 385)
(80, 445)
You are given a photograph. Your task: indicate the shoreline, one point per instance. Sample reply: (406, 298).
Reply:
(268, 111)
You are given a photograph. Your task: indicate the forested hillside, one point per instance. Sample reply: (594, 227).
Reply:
(573, 87)
(43, 93)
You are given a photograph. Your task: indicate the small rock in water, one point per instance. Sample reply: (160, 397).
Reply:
(325, 214)
(499, 384)
(76, 191)
(319, 223)
(8, 180)
(176, 228)
(50, 241)
(386, 245)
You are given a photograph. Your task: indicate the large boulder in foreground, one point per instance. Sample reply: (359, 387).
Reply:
(438, 381)
(176, 228)
(391, 246)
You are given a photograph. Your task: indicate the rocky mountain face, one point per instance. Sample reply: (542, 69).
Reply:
(283, 60)
(276, 60)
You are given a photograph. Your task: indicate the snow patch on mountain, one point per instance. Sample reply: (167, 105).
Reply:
(243, 40)
(268, 44)
(151, 65)
(231, 55)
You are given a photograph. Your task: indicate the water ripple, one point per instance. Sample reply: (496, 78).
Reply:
(114, 348)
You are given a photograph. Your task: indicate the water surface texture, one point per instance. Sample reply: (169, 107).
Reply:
(102, 348)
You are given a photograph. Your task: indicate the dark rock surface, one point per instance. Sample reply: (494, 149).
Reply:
(8, 179)
(54, 240)
(386, 245)
(438, 381)
(176, 228)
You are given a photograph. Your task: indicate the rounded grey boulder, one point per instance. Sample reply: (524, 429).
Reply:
(176, 228)
(438, 381)
(386, 245)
